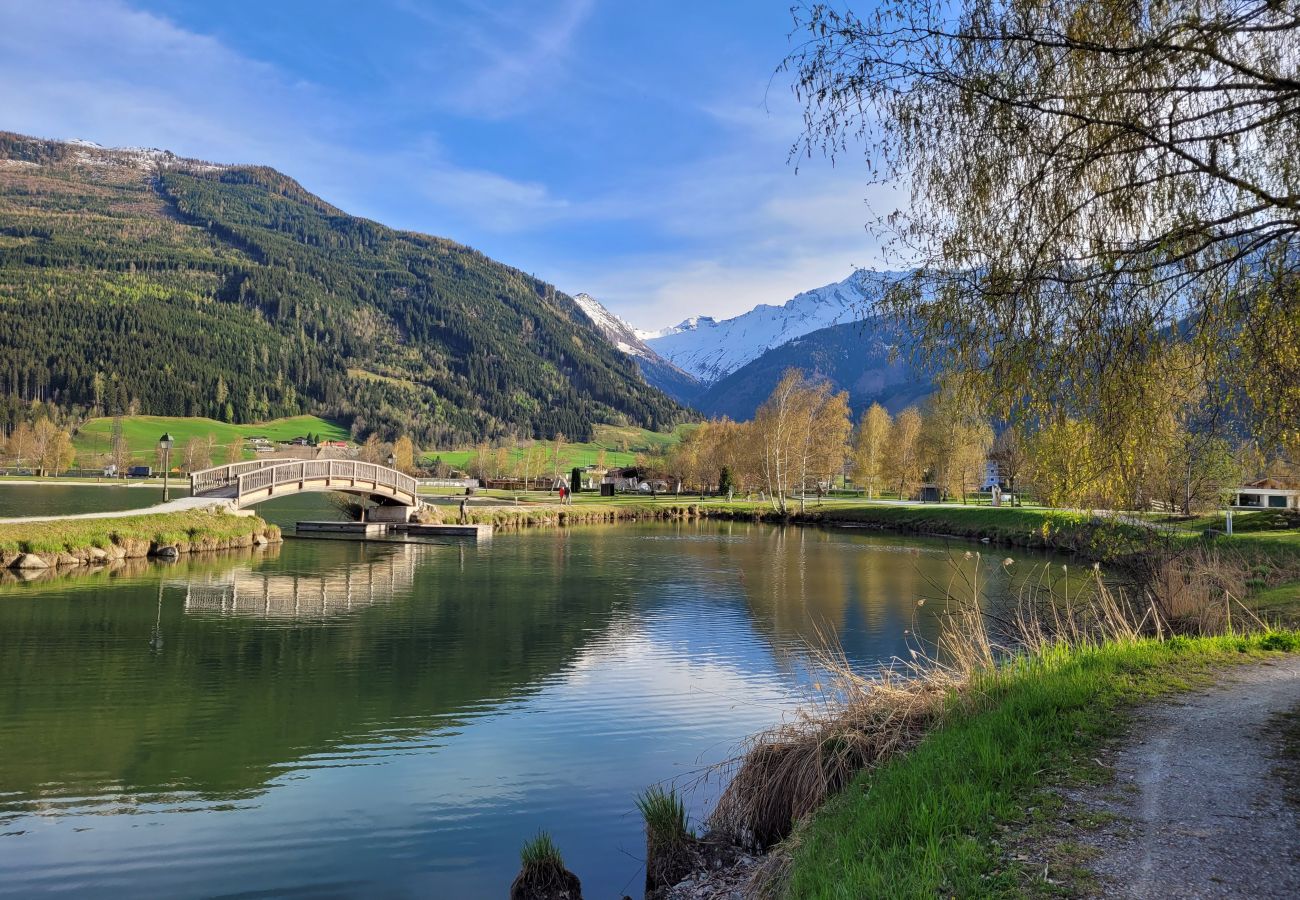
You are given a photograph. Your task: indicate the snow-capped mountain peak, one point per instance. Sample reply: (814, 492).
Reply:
(616, 330)
(710, 349)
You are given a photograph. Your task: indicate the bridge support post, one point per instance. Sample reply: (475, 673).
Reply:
(389, 514)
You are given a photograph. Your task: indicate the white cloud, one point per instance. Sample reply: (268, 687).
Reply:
(503, 56)
(715, 232)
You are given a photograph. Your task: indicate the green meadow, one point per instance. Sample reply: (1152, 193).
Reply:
(142, 433)
(621, 445)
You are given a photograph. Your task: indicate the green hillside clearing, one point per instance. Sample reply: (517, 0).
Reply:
(142, 433)
(621, 445)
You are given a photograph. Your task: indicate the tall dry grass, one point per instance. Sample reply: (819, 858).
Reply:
(860, 720)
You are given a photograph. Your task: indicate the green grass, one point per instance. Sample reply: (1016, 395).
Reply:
(187, 528)
(610, 438)
(540, 851)
(142, 433)
(664, 813)
(1281, 602)
(928, 824)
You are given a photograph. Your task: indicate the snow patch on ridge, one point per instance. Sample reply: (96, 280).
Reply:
(711, 350)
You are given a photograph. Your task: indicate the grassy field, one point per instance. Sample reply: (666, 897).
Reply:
(187, 530)
(932, 823)
(142, 433)
(621, 445)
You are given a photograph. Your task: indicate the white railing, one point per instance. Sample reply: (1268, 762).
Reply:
(265, 475)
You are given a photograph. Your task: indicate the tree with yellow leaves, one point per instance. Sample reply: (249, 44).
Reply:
(869, 448)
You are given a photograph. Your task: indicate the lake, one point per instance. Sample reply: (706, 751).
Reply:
(334, 718)
(29, 498)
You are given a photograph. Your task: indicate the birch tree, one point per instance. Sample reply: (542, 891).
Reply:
(869, 449)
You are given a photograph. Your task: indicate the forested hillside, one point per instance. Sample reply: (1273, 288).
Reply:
(857, 357)
(135, 281)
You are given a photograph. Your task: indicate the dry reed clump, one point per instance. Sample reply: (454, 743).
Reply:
(787, 772)
(861, 720)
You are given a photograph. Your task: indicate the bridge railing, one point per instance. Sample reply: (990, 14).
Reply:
(355, 474)
(218, 477)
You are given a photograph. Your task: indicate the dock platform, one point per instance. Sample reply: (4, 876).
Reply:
(361, 529)
(367, 530)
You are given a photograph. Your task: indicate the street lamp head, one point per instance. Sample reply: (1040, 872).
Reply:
(391, 460)
(165, 442)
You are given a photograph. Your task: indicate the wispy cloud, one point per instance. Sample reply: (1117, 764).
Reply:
(662, 197)
(505, 54)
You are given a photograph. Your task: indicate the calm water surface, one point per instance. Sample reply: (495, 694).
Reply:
(347, 719)
(19, 498)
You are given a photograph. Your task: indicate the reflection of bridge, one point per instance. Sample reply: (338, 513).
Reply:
(284, 595)
(251, 482)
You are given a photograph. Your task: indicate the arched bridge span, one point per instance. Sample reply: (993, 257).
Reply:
(247, 483)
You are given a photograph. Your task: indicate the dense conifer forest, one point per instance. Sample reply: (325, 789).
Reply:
(135, 281)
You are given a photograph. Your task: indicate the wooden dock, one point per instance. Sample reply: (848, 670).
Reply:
(476, 531)
(366, 530)
(359, 529)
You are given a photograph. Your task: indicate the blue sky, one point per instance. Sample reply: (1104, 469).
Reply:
(634, 151)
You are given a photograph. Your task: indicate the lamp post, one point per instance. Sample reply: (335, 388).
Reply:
(165, 445)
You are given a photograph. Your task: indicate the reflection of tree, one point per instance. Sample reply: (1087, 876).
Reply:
(805, 585)
(232, 699)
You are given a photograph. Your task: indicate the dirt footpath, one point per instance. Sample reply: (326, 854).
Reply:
(1200, 797)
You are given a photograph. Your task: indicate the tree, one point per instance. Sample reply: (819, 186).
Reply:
(955, 438)
(1092, 186)
(778, 423)
(373, 450)
(726, 483)
(404, 455)
(902, 459)
(869, 449)
(1063, 467)
(1009, 453)
(196, 454)
(481, 462)
(22, 444)
(97, 391)
(802, 431)
(235, 450)
(51, 448)
(119, 452)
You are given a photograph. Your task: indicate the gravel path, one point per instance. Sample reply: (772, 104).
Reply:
(1201, 805)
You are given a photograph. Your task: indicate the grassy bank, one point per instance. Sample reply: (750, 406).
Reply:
(1100, 538)
(80, 541)
(531, 515)
(929, 823)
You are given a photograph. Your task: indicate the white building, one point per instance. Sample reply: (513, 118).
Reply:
(992, 475)
(1267, 493)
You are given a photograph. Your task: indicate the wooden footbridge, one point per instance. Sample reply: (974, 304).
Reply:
(247, 483)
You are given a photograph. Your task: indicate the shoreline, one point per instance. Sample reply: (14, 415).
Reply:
(96, 541)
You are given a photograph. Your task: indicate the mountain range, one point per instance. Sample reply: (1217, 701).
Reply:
(733, 364)
(135, 280)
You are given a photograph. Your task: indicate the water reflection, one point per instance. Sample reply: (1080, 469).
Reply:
(348, 718)
(340, 590)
